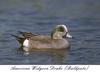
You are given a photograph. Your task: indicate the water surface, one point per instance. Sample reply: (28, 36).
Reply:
(41, 16)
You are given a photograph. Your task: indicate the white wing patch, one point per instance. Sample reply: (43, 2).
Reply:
(26, 43)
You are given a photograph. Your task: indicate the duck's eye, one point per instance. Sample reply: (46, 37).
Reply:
(61, 29)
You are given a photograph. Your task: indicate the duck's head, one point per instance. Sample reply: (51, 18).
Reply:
(60, 31)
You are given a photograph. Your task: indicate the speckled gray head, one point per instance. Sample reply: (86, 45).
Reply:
(60, 31)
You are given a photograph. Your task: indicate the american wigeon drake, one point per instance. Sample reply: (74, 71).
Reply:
(57, 40)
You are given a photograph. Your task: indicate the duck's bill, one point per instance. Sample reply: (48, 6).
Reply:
(68, 35)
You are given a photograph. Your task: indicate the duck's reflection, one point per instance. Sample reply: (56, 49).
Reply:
(46, 56)
(59, 56)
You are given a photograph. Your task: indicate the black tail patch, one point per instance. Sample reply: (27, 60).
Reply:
(19, 39)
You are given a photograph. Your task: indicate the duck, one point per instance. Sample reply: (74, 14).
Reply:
(58, 39)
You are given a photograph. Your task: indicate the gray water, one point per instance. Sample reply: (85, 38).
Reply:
(40, 16)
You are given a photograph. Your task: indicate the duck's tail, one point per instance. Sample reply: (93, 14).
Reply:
(19, 39)
(24, 35)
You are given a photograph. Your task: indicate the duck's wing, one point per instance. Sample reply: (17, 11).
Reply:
(27, 35)
(41, 38)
